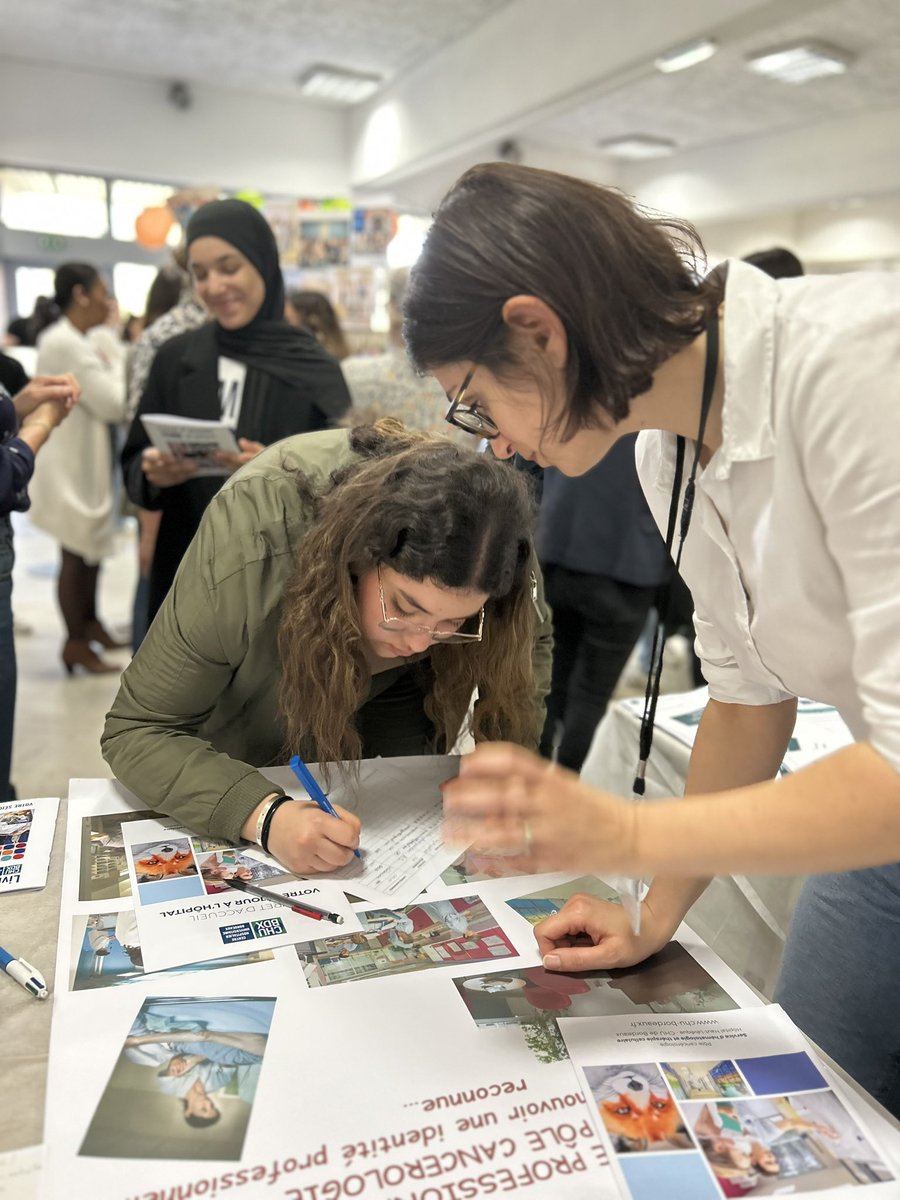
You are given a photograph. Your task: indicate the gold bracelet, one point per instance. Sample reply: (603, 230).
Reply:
(43, 424)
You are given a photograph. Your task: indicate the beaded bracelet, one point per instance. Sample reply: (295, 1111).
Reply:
(267, 820)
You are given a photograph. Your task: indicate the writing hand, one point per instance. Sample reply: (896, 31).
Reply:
(589, 934)
(508, 798)
(306, 840)
(164, 470)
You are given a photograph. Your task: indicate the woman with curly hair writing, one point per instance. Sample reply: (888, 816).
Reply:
(345, 595)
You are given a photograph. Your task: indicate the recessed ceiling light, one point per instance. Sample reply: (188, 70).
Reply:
(688, 55)
(338, 85)
(637, 145)
(800, 61)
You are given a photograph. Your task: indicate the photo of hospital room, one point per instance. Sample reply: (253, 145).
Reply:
(433, 933)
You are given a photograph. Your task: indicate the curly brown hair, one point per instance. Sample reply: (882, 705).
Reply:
(625, 283)
(432, 510)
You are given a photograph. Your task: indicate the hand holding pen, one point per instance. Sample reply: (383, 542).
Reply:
(305, 838)
(315, 793)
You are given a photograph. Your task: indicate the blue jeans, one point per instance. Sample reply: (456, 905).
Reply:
(7, 658)
(841, 970)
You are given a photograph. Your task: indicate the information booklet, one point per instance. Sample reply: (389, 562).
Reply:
(191, 438)
(26, 838)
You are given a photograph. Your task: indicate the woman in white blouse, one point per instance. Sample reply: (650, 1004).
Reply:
(71, 495)
(559, 317)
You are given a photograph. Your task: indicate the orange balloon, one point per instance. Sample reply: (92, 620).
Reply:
(152, 228)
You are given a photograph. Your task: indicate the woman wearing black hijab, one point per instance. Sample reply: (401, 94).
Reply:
(248, 367)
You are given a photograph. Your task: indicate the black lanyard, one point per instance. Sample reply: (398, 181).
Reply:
(654, 676)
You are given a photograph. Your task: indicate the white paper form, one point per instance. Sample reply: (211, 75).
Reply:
(191, 438)
(26, 839)
(717, 1105)
(401, 809)
(186, 913)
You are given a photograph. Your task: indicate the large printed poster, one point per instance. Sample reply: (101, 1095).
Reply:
(395, 1061)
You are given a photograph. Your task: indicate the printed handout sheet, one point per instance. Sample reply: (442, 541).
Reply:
(26, 839)
(186, 911)
(709, 1107)
(191, 438)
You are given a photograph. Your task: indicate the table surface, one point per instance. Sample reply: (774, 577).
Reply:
(29, 925)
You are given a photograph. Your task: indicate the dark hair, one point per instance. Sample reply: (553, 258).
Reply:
(316, 313)
(165, 292)
(623, 281)
(67, 278)
(198, 1122)
(777, 262)
(430, 509)
(45, 313)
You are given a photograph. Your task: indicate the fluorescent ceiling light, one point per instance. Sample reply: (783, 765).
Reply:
(800, 61)
(688, 55)
(637, 145)
(338, 85)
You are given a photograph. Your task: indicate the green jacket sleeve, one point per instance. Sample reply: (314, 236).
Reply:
(152, 739)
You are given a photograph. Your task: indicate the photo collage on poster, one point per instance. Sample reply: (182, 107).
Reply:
(105, 948)
(762, 1126)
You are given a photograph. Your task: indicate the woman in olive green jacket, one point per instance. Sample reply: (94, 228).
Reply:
(344, 596)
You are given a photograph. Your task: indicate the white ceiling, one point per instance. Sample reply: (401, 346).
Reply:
(721, 100)
(560, 75)
(251, 45)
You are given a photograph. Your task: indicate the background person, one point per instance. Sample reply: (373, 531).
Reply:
(72, 494)
(385, 385)
(603, 561)
(345, 595)
(247, 367)
(315, 312)
(568, 318)
(26, 422)
(171, 309)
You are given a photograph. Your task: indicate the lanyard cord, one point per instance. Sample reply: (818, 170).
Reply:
(654, 676)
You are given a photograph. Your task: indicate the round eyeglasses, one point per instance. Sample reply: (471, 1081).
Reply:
(402, 625)
(467, 416)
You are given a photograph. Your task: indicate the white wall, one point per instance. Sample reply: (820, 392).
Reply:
(846, 234)
(857, 155)
(125, 126)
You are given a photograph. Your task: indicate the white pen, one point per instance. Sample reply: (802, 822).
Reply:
(24, 974)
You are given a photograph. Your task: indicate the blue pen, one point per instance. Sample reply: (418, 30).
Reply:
(24, 974)
(306, 777)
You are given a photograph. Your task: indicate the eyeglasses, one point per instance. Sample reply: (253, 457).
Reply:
(467, 417)
(401, 625)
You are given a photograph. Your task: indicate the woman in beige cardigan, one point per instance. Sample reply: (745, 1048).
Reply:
(71, 495)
